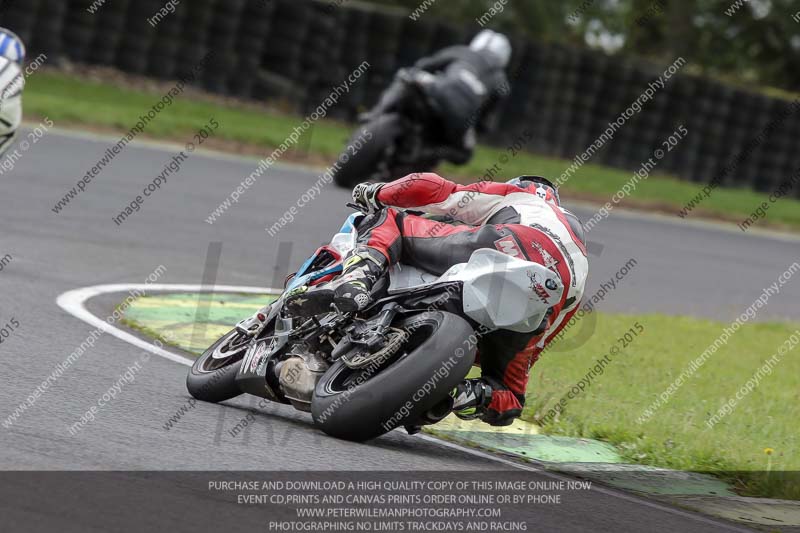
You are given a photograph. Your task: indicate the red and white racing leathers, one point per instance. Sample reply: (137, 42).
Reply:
(525, 223)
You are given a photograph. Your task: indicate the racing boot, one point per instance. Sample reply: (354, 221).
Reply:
(470, 398)
(349, 292)
(467, 401)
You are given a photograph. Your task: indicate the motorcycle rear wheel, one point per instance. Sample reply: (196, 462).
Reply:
(360, 405)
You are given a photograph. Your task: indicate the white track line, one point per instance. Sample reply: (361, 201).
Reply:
(73, 303)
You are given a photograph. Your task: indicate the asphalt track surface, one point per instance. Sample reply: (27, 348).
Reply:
(682, 267)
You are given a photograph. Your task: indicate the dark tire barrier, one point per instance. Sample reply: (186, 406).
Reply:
(47, 27)
(109, 32)
(194, 35)
(249, 47)
(21, 17)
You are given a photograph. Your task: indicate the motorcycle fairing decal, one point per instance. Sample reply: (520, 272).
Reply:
(508, 245)
(557, 240)
(274, 345)
(248, 358)
(538, 289)
(258, 353)
(547, 259)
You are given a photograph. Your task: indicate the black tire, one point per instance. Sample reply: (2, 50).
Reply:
(364, 163)
(395, 173)
(213, 380)
(369, 408)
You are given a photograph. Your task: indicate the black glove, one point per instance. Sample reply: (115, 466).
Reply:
(365, 195)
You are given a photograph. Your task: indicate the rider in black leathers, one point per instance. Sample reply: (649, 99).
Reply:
(463, 85)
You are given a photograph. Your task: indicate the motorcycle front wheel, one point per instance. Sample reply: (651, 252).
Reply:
(212, 377)
(366, 150)
(361, 404)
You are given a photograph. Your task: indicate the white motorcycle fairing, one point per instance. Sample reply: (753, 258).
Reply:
(499, 291)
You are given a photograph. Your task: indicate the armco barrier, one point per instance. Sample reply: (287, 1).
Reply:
(295, 50)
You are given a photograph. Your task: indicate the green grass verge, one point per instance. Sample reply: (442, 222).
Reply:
(67, 99)
(677, 435)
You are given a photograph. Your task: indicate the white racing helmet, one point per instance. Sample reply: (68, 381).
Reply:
(494, 44)
(11, 46)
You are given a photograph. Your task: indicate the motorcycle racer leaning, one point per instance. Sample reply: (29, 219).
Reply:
(12, 56)
(522, 218)
(463, 85)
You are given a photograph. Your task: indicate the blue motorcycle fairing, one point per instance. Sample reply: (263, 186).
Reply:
(349, 225)
(302, 277)
(298, 281)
